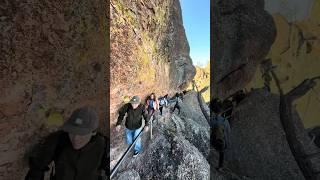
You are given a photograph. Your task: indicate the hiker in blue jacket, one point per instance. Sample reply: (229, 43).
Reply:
(220, 133)
(163, 102)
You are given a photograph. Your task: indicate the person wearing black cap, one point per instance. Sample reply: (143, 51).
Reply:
(77, 150)
(135, 111)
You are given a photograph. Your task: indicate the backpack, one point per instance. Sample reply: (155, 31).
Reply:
(218, 140)
(162, 101)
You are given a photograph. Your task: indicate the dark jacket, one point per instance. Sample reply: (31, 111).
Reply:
(134, 116)
(70, 164)
(218, 119)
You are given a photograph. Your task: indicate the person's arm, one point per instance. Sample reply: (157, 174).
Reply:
(145, 117)
(104, 166)
(122, 112)
(42, 156)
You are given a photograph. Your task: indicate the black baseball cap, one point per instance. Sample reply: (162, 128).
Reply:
(82, 121)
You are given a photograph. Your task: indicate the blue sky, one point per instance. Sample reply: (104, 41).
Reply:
(196, 21)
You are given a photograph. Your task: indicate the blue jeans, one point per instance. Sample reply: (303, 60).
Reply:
(131, 135)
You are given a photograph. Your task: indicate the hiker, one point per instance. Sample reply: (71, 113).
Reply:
(152, 104)
(178, 99)
(135, 111)
(163, 102)
(220, 134)
(185, 92)
(238, 97)
(215, 104)
(227, 107)
(181, 95)
(78, 151)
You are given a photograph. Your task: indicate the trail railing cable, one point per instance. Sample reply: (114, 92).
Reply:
(116, 167)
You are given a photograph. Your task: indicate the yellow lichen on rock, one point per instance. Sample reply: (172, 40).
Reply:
(296, 52)
(55, 119)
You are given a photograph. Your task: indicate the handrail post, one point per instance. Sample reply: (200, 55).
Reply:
(151, 119)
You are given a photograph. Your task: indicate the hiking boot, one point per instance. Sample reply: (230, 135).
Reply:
(135, 154)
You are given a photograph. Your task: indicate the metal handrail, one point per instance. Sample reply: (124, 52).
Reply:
(114, 170)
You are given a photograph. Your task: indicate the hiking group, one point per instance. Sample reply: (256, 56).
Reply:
(136, 112)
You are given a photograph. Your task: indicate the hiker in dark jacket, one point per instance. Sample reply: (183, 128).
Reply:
(135, 111)
(78, 151)
(178, 99)
(220, 134)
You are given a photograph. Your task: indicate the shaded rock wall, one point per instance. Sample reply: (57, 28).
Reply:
(257, 132)
(242, 35)
(149, 50)
(53, 60)
(296, 52)
(259, 146)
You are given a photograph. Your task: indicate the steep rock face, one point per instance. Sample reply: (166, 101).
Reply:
(149, 50)
(257, 131)
(242, 35)
(259, 146)
(295, 53)
(53, 57)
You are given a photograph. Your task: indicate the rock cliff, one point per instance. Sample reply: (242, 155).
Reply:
(242, 35)
(149, 50)
(53, 60)
(266, 127)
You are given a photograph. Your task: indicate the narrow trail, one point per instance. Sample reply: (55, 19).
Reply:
(146, 139)
(171, 127)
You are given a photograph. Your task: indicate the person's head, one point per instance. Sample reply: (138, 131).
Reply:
(153, 96)
(81, 126)
(215, 105)
(135, 101)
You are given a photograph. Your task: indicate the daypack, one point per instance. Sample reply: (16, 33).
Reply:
(162, 101)
(218, 139)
